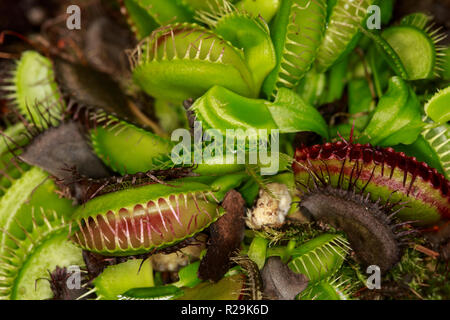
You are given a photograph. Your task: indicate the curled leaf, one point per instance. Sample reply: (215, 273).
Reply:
(264, 8)
(396, 119)
(252, 35)
(292, 114)
(438, 108)
(182, 61)
(280, 282)
(222, 109)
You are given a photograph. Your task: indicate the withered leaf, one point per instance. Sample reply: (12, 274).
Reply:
(226, 235)
(280, 282)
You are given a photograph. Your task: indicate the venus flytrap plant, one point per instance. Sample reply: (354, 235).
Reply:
(232, 287)
(345, 19)
(118, 279)
(110, 137)
(222, 109)
(396, 119)
(26, 259)
(28, 195)
(251, 34)
(438, 107)
(37, 95)
(319, 258)
(140, 22)
(144, 16)
(167, 292)
(395, 43)
(431, 147)
(327, 289)
(426, 50)
(138, 219)
(297, 32)
(267, 9)
(163, 64)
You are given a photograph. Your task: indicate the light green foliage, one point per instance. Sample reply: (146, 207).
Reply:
(164, 64)
(297, 32)
(222, 109)
(116, 280)
(36, 97)
(43, 247)
(264, 8)
(397, 118)
(438, 107)
(252, 35)
(319, 258)
(128, 149)
(343, 26)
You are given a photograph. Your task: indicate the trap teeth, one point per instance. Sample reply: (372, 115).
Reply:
(386, 174)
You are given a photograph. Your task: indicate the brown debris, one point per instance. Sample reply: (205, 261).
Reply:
(280, 282)
(226, 235)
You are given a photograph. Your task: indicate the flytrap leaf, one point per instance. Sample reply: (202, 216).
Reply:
(416, 49)
(264, 8)
(379, 174)
(136, 220)
(10, 168)
(438, 107)
(128, 149)
(343, 26)
(33, 192)
(297, 32)
(183, 61)
(144, 16)
(115, 280)
(251, 34)
(222, 109)
(37, 98)
(432, 147)
(397, 118)
(167, 292)
(414, 31)
(89, 90)
(319, 258)
(228, 288)
(167, 11)
(25, 266)
(388, 53)
(439, 141)
(140, 21)
(324, 290)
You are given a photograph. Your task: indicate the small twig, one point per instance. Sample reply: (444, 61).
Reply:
(416, 293)
(146, 120)
(6, 55)
(426, 251)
